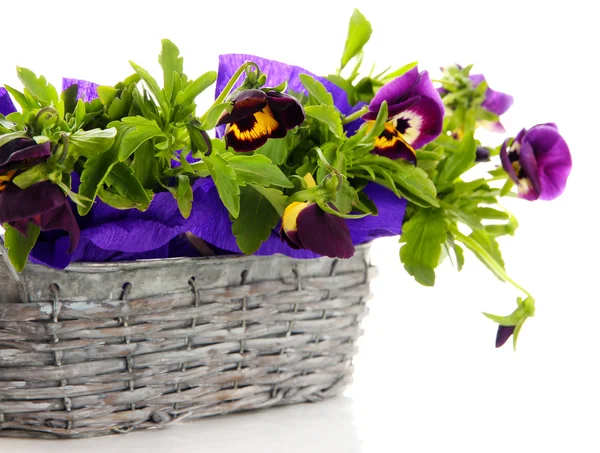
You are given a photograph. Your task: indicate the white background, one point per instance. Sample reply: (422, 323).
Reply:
(428, 378)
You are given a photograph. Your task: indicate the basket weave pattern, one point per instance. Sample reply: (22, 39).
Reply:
(100, 349)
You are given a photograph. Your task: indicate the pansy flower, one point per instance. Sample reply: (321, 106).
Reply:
(6, 103)
(415, 115)
(42, 204)
(257, 116)
(538, 161)
(306, 226)
(495, 102)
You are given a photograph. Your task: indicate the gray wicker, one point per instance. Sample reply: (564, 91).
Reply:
(105, 348)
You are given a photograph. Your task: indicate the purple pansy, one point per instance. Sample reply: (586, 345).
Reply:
(495, 102)
(257, 116)
(6, 103)
(415, 114)
(538, 161)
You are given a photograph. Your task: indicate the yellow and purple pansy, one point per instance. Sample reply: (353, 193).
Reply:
(538, 161)
(415, 115)
(257, 116)
(306, 226)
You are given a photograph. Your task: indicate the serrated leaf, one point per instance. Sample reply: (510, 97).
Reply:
(328, 115)
(171, 63)
(316, 89)
(224, 178)
(93, 142)
(423, 236)
(20, 246)
(40, 88)
(359, 33)
(255, 222)
(258, 169)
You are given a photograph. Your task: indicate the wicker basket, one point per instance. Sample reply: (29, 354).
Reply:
(107, 348)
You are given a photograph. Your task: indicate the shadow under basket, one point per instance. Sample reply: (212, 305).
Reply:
(107, 348)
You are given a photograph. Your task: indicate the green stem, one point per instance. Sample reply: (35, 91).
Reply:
(489, 259)
(355, 115)
(229, 86)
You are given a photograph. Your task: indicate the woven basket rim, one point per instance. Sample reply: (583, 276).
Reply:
(86, 266)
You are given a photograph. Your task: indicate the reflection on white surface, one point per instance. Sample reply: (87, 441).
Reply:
(324, 427)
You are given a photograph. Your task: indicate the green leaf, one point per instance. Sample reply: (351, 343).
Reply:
(145, 166)
(191, 92)
(398, 72)
(258, 169)
(18, 245)
(22, 100)
(171, 63)
(275, 149)
(411, 181)
(489, 243)
(255, 222)
(185, 196)
(379, 124)
(359, 32)
(328, 115)
(40, 88)
(224, 178)
(106, 94)
(316, 89)
(275, 197)
(159, 94)
(93, 142)
(346, 198)
(69, 98)
(33, 175)
(456, 164)
(423, 236)
(213, 115)
(134, 131)
(122, 179)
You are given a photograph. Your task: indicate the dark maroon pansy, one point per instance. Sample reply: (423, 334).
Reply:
(538, 161)
(42, 204)
(307, 226)
(257, 116)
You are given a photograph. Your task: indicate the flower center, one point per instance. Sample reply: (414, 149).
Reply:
(255, 126)
(6, 178)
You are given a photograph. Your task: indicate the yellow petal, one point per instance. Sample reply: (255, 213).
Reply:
(290, 215)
